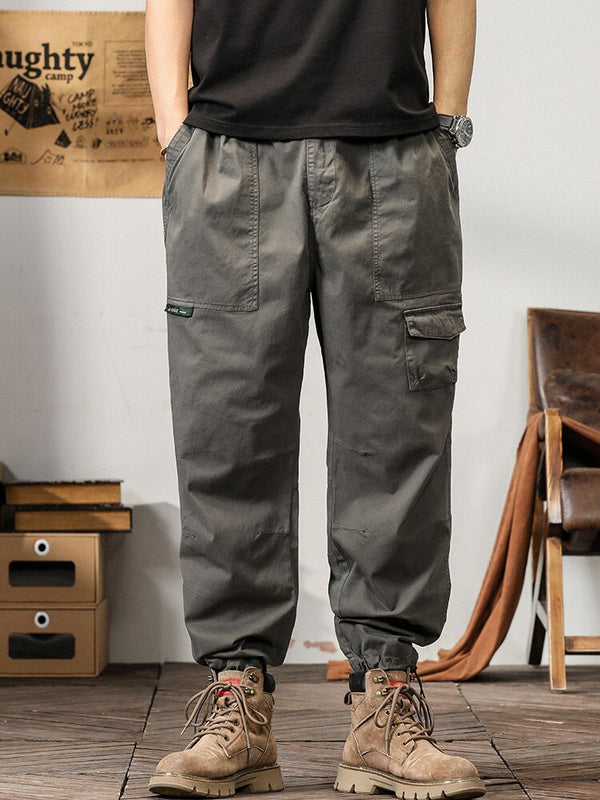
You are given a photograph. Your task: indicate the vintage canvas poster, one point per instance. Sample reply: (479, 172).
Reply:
(76, 115)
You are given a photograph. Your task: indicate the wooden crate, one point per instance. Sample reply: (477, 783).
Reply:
(51, 640)
(51, 568)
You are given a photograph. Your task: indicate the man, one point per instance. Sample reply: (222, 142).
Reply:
(307, 160)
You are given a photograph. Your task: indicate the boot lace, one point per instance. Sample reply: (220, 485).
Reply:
(205, 715)
(404, 712)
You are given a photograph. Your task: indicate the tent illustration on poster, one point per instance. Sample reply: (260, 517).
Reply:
(27, 103)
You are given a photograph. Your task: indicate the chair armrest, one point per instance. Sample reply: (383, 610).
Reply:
(554, 463)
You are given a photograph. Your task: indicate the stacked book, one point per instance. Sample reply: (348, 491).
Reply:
(53, 609)
(65, 506)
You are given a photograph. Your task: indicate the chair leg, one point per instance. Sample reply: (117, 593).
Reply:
(556, 622)
(536, 642)
(537, 629)
(538, 534)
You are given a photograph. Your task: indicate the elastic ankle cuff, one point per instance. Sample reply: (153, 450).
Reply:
(221, 664)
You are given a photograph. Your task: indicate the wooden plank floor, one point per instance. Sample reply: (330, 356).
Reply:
(99, 739)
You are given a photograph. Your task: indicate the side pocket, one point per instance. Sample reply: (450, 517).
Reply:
(166, 211)
(431, 336)
(417, 240)
(212, 197)
(449, 155)
(175, 150)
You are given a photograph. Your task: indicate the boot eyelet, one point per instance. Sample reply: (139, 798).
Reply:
(378, 679)
(226, 738)
(253, 677)
(387, 712)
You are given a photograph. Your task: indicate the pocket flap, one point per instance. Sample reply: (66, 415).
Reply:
(435, 322)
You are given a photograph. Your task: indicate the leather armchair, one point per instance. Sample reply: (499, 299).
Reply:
(564, 381)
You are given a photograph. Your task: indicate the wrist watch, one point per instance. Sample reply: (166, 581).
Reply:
(459, 127)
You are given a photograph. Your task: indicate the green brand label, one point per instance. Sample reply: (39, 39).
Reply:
(179, 311)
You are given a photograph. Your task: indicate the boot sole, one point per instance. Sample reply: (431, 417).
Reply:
(176, 784)
(370, 781)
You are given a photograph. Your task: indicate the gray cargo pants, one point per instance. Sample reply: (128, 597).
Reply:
(370, 229)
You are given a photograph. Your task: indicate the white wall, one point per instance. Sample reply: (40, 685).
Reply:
(84, 370)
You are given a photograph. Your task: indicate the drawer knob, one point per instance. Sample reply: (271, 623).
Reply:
(41, 547)
(42, 619)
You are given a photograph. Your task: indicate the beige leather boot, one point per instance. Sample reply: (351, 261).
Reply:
(390, 745)
(233, 747)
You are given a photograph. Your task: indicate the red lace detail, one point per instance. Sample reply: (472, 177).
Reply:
(398, 683)
(221, 692)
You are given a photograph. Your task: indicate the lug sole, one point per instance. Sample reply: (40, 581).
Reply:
(370, 781)
(174, 784)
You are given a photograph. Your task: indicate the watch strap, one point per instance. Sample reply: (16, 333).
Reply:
(446, 120)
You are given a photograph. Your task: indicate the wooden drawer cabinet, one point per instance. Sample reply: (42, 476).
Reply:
(50, 640)
(51, 567)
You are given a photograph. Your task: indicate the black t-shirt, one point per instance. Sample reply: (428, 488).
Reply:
(292, 69)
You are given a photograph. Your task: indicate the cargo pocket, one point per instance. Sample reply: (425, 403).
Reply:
(431, 336)
(212, 237)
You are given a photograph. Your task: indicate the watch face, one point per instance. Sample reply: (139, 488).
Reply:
(463, 132)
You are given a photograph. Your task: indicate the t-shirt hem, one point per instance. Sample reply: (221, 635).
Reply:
(313, 130)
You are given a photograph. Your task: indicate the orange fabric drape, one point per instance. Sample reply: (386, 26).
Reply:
(503, 581)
